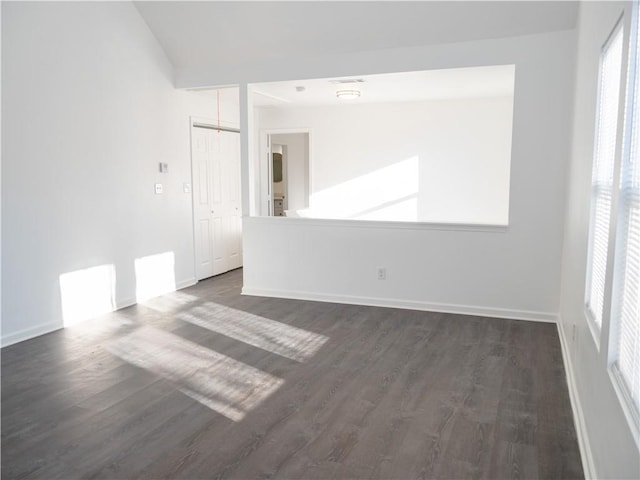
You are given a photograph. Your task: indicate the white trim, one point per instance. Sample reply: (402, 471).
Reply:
(406, 304)
(344, 223)
(124, 303)
(189, 282)
(130, 301)
(626, 403)
(596, 330)
(627, 113)
(588, 465)
(212, 122)
(29, 333)
(38, 330)
(264, 152)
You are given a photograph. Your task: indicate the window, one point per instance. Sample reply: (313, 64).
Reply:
(625, 303)
(602, 176)
(620, 195)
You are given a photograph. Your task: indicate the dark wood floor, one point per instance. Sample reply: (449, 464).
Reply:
(205, 383)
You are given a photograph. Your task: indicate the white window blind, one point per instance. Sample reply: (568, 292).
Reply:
(625, 306)
(602, 175)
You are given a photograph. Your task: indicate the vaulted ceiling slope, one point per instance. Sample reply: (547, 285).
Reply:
(206, 34)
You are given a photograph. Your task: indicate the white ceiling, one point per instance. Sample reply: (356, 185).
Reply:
(213, 33)
(472, 82)
(493, 81)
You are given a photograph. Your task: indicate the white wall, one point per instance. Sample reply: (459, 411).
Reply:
(0, 177)
(609, 446)
(431, 161)
(92, 111)
(513, 272)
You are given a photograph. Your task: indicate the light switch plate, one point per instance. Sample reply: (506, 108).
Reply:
(159, 189)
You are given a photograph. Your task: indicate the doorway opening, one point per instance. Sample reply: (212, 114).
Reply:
(288, 180)
(279, 157)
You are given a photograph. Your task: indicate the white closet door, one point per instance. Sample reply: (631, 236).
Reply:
(230, 143)
(203, 225)
(216, 193)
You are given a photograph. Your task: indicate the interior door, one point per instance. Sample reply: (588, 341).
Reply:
(203, 222)
(216, 200)
(226, 204)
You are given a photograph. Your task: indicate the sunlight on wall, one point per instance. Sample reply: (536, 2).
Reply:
(229, 387)
(87, 293)
(401, 210)
(155, 275)
(389, 193)
(276, 337)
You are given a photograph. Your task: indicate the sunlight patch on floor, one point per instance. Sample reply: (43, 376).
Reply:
(229, 387)
(170, 302)
(270, 335)
(108, 324)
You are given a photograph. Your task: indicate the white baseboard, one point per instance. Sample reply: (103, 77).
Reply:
(186, 283)
(129, 301)
(28, 333)
(42, 329)
(125, 302)
(407, 304)
(588, 464)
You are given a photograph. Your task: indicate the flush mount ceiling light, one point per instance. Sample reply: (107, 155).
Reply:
(348, 94)
(343, 81)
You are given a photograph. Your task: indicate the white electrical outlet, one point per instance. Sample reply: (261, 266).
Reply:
(186, 187)
(382, 273)
(159, 189)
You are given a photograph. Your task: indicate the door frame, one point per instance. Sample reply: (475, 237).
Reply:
(285, 171)
(210, 123)
(266, 174)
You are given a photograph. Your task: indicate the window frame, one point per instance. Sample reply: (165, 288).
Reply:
(630, 108)
(598, 330)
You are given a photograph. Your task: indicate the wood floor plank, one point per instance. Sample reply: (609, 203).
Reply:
(390, 394)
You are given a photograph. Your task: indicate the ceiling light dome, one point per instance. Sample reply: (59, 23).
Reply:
(348, 94)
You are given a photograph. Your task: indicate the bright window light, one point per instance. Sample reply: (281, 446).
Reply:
(602, 176)
(625, 302)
